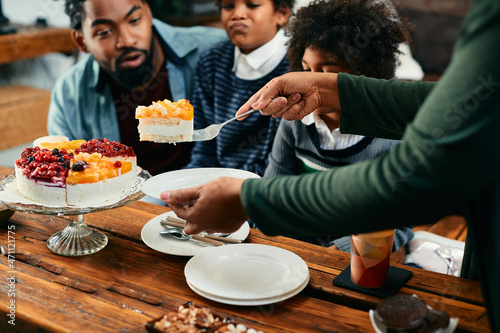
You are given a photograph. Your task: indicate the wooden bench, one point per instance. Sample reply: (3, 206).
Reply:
(23, 114)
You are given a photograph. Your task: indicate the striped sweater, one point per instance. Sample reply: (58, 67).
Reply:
(297, 150)
(218, 95)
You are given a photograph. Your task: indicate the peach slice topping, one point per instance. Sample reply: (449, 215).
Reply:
(97, 168)
(68, 145)
(166, 109)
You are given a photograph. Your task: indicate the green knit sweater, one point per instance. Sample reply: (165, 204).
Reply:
(447, 162)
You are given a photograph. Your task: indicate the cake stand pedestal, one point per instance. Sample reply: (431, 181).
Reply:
(77, 239)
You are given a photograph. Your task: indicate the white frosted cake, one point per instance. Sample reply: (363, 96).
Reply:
(78, 173)
(166, 121)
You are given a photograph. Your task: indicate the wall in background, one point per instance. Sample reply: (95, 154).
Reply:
(27, 11)
(43, 71)
(437, 25)
(39, 73)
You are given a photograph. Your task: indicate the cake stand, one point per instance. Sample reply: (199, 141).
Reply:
(77, 239)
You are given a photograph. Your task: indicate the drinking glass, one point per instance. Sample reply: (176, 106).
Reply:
(370, 256)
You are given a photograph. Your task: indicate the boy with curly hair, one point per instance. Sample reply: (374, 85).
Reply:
(359, 37)
(229, 73)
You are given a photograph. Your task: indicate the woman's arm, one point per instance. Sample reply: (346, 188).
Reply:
(370, 107)
(379, 108)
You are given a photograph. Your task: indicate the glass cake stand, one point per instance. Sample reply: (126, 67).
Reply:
(77, 239)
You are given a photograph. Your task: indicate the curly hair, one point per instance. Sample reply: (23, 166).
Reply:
(74, 9)
(277, 4)
(360, 35)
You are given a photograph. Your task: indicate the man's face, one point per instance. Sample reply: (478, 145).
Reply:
(118, 33)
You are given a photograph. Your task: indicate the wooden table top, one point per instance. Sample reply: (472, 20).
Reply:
(33, 41)
(127, 284)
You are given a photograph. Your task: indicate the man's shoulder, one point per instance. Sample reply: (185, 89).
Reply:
(201, 35)
(82, 71)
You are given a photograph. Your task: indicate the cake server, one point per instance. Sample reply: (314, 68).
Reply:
(210, 132)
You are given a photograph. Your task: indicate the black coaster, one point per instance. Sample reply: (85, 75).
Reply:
(396, 278)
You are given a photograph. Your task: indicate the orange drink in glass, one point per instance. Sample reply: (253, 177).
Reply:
(370, 256)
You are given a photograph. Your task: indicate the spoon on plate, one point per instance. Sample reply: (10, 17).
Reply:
(180, 223)
(178, 233)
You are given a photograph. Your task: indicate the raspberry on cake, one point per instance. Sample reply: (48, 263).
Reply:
(95, 172)
(41, 175)
(115, 151)
(166, 121)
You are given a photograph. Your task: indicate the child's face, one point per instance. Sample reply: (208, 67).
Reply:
(251, 23)
(316, 61)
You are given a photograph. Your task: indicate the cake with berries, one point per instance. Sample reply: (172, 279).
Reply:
(166, 121)
(76, 173)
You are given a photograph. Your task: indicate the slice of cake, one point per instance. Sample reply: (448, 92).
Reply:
(166, 121)
(76, 173)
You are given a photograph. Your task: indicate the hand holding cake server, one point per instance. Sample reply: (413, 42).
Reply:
(220, 198)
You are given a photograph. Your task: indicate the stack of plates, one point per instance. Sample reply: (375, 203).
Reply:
(247, 274)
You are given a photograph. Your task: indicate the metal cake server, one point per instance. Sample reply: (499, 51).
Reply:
(210, 132)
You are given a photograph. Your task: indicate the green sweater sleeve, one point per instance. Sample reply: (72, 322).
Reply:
(439, 166)
(379, 108)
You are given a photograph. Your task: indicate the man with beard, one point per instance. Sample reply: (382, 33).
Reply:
(133, 60)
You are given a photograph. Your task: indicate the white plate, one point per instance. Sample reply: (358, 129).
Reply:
(256, 302)
(150, 235)
(246, 272)
(179, 179)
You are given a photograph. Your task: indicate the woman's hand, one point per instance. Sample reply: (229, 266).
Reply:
(295, 95)
(212, 207)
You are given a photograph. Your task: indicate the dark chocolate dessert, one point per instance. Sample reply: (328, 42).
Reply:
(405, 313)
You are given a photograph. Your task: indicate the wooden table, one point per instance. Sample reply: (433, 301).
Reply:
(32, 41)
(126, 284)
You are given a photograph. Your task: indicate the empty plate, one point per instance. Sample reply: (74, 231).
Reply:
(247, 273)
(179, 179)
